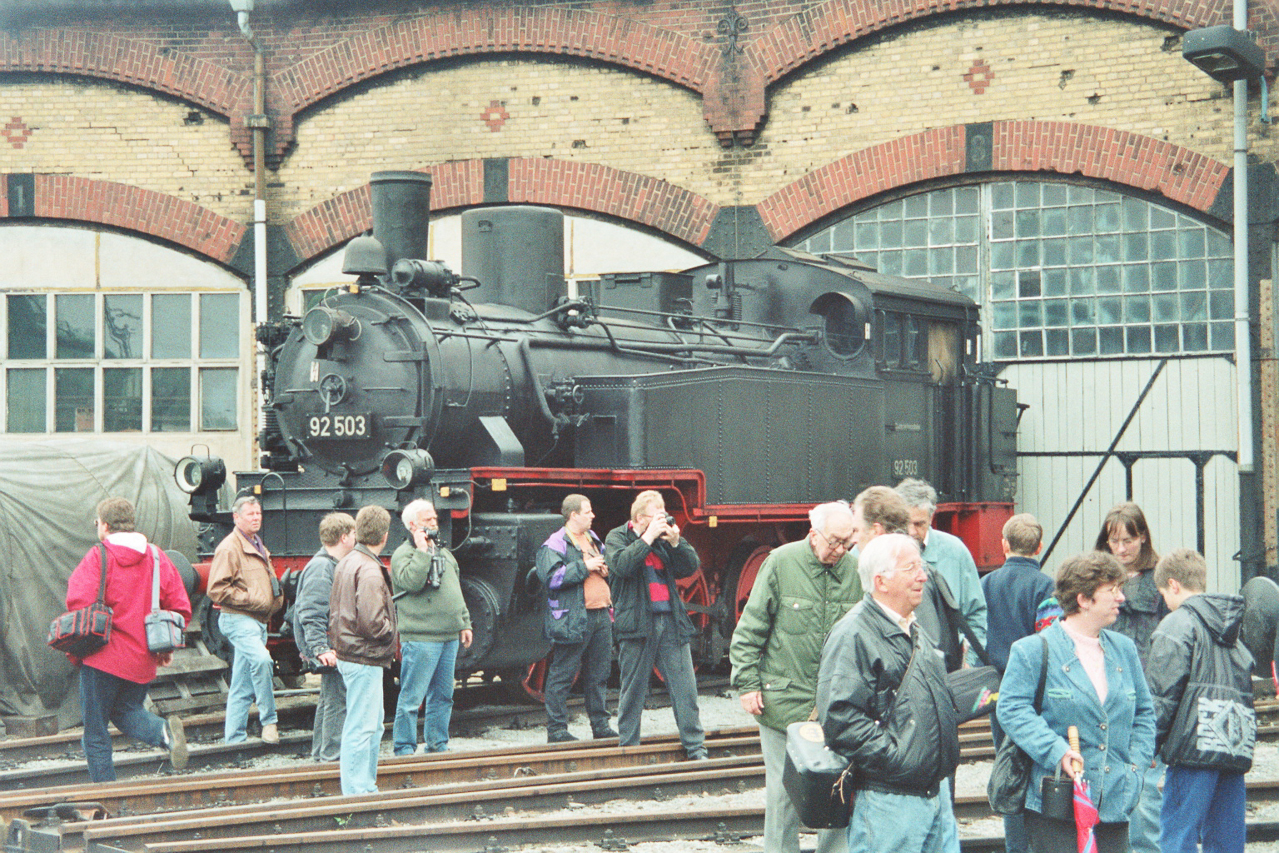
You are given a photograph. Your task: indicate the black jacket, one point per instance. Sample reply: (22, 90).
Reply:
(562, 570)
(1141, 612)
(625, 553)
(899, 728)
(1201, 679)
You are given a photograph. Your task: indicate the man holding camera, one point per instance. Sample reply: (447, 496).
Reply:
(433, 619)
(579, 619)
(645, 557)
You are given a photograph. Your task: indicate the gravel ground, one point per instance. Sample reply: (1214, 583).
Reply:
(724, 711)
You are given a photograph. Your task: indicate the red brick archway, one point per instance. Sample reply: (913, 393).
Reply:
(130, 208)
(1124, 158)
(657, 204)
(687, 48)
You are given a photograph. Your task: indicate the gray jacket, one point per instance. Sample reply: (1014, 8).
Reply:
(311, 607)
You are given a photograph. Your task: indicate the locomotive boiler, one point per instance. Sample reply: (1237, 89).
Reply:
(745, 390)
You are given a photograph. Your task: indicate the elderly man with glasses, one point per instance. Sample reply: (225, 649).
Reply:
(883, 703)
(802, 590)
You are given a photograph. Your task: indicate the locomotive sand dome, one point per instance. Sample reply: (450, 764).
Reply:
(744, 390)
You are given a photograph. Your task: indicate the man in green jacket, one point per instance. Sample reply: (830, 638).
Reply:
(433, 620)
(802, 590)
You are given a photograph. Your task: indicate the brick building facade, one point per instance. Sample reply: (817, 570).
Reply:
(719, 128)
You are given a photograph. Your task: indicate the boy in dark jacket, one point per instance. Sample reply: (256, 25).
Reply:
(1200, 678)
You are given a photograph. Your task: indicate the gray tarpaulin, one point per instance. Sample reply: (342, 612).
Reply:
(48, 492)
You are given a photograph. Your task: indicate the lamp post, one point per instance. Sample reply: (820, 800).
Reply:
(1229, 54)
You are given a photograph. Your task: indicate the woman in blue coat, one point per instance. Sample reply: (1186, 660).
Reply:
(1094, 682)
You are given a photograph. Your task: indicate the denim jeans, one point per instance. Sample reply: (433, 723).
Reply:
(1202, 806)
(362, 733)
(106, 697)
(251, 674)
(901, 823)
(1143, 823)
(330, 715)
(666, 649)
(426, 672)
(594, 656)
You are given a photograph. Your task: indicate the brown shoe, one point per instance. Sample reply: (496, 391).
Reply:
(176, 742)
(270, 733)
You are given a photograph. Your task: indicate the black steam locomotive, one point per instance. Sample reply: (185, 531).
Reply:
(744, 390)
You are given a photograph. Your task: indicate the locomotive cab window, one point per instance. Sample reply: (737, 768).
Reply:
(902, 343)
(844, 326)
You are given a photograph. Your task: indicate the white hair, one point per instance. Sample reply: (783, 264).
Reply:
(409, 515)
(822, 515)
(881, 554)
(918, 494)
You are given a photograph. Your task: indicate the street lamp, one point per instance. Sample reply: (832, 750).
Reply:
(1224, 53)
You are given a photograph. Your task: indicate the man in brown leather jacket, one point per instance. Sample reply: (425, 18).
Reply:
(243, 585)
(362, 632)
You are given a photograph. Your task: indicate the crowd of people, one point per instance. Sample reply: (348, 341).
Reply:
(857, 625)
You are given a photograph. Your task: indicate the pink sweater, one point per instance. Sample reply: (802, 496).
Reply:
(1088, 650)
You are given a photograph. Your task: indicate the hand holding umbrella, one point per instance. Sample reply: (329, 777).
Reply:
(1086, 816)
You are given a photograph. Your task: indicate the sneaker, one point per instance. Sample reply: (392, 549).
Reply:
(560, 736)
(606, 731)
(175, 738)
(698, 755)
(270, 733)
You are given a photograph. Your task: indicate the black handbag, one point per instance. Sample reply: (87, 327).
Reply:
(817, 779)
(1010, 774)
(165, 628)
(86, 630)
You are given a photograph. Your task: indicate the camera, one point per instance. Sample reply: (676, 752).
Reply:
(433, 535)
(670, 519)
(435, 573)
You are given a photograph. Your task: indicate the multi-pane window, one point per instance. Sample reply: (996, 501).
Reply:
(121, 362)
(1058, 269)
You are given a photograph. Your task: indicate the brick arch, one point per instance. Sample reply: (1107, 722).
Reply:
(652, 202)
(109, 56)
(1118, 156)
(825, 26)
(477, 31)
(129, 208)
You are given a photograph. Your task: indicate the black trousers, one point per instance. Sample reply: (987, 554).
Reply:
(1049, 835)
(594, 656)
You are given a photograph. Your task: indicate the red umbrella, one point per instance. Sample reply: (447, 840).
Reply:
(1086, 816)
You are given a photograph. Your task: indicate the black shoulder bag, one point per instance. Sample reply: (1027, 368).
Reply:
(82, 632)
(975, 689)
(1010, 774)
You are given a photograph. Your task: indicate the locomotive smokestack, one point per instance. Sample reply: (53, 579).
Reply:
(401, 213)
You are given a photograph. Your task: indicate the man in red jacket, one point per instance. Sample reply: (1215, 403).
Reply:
(114, 679)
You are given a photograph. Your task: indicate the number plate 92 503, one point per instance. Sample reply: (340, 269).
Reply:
(341, 426)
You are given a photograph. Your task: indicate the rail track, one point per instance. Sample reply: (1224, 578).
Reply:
(483, 800)
(487, 800)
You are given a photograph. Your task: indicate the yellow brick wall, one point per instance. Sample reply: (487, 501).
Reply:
(109, 133)
(1046, 67)
(623, 119)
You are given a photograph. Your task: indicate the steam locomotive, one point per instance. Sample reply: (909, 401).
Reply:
(744, 390)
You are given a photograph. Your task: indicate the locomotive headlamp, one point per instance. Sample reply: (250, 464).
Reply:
(432, 276)
(323, 325)
(199, 476)
(404, 469)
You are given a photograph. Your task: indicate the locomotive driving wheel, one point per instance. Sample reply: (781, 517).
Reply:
(740, 579)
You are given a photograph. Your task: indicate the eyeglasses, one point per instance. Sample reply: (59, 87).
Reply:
(846, 544)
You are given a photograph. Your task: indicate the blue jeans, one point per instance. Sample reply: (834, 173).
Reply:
(251, 674)
(901, 823)
(1143, 823)
(426, 672)
(362, 732)
(1202, 806)
(106, 697)
(669, 651)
